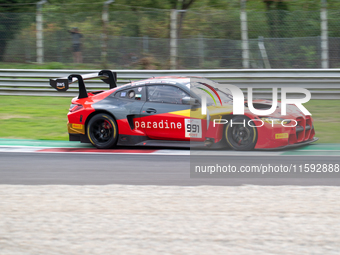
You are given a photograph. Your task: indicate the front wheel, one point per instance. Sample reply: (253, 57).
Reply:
(239, 135)
(102, 131)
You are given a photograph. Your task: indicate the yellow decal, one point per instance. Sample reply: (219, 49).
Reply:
(185, 113)
(281, 136)
(77, 126)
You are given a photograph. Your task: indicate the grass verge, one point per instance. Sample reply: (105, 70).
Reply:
(45, 118)
(34, 117)
(326, 115)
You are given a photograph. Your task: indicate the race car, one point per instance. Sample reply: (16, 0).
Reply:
(177, 111)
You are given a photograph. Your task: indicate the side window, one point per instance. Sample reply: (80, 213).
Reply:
(165, 94)
(137, 93)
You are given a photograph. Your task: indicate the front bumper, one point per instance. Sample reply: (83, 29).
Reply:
(291, 146)
(282, 136)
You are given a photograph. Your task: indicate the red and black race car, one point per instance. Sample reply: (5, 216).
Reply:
(167, 111)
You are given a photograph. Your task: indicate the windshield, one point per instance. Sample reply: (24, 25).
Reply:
(213, 91)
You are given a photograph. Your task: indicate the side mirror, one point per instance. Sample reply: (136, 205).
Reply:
(190, 100)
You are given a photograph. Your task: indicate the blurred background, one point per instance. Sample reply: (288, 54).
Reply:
(173, 34)
(165, 34)
(145, 208)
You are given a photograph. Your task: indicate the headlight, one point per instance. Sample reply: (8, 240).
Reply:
(279, 121)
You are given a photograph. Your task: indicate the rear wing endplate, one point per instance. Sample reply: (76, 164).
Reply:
(62, 84)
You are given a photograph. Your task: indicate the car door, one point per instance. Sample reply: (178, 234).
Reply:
(163, 115)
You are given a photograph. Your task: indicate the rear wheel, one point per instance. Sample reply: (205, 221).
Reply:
(240, 135)
(102, 131)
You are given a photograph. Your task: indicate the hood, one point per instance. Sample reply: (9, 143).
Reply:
(262, 104)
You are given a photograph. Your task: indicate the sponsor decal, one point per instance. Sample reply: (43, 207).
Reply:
(140, 89)
(60, 85)
(257, 122)
(281, 136)
(137, 83)
(131, 94)
(77, 126)
(193, 128)
(74, 128)
(158, 125)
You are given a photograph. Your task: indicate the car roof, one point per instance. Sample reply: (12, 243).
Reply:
(166, 80)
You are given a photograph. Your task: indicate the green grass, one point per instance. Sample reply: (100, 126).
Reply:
(326, 115)
(45, 118)
(34, 117)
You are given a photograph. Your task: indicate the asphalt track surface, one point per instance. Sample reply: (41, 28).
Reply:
(142, 169)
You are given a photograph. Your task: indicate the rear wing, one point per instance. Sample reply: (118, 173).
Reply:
(62, 84)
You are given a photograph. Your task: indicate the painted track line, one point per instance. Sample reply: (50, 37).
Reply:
(31, 149)
(170, 152)
(16, 149)
(45, 146)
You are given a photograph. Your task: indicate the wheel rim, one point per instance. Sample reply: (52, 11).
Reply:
(241, 135)
(102, 131)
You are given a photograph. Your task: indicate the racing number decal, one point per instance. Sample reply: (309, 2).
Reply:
(193, 128)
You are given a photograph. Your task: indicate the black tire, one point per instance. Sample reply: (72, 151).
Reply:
(102, 131)
(240, 137)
